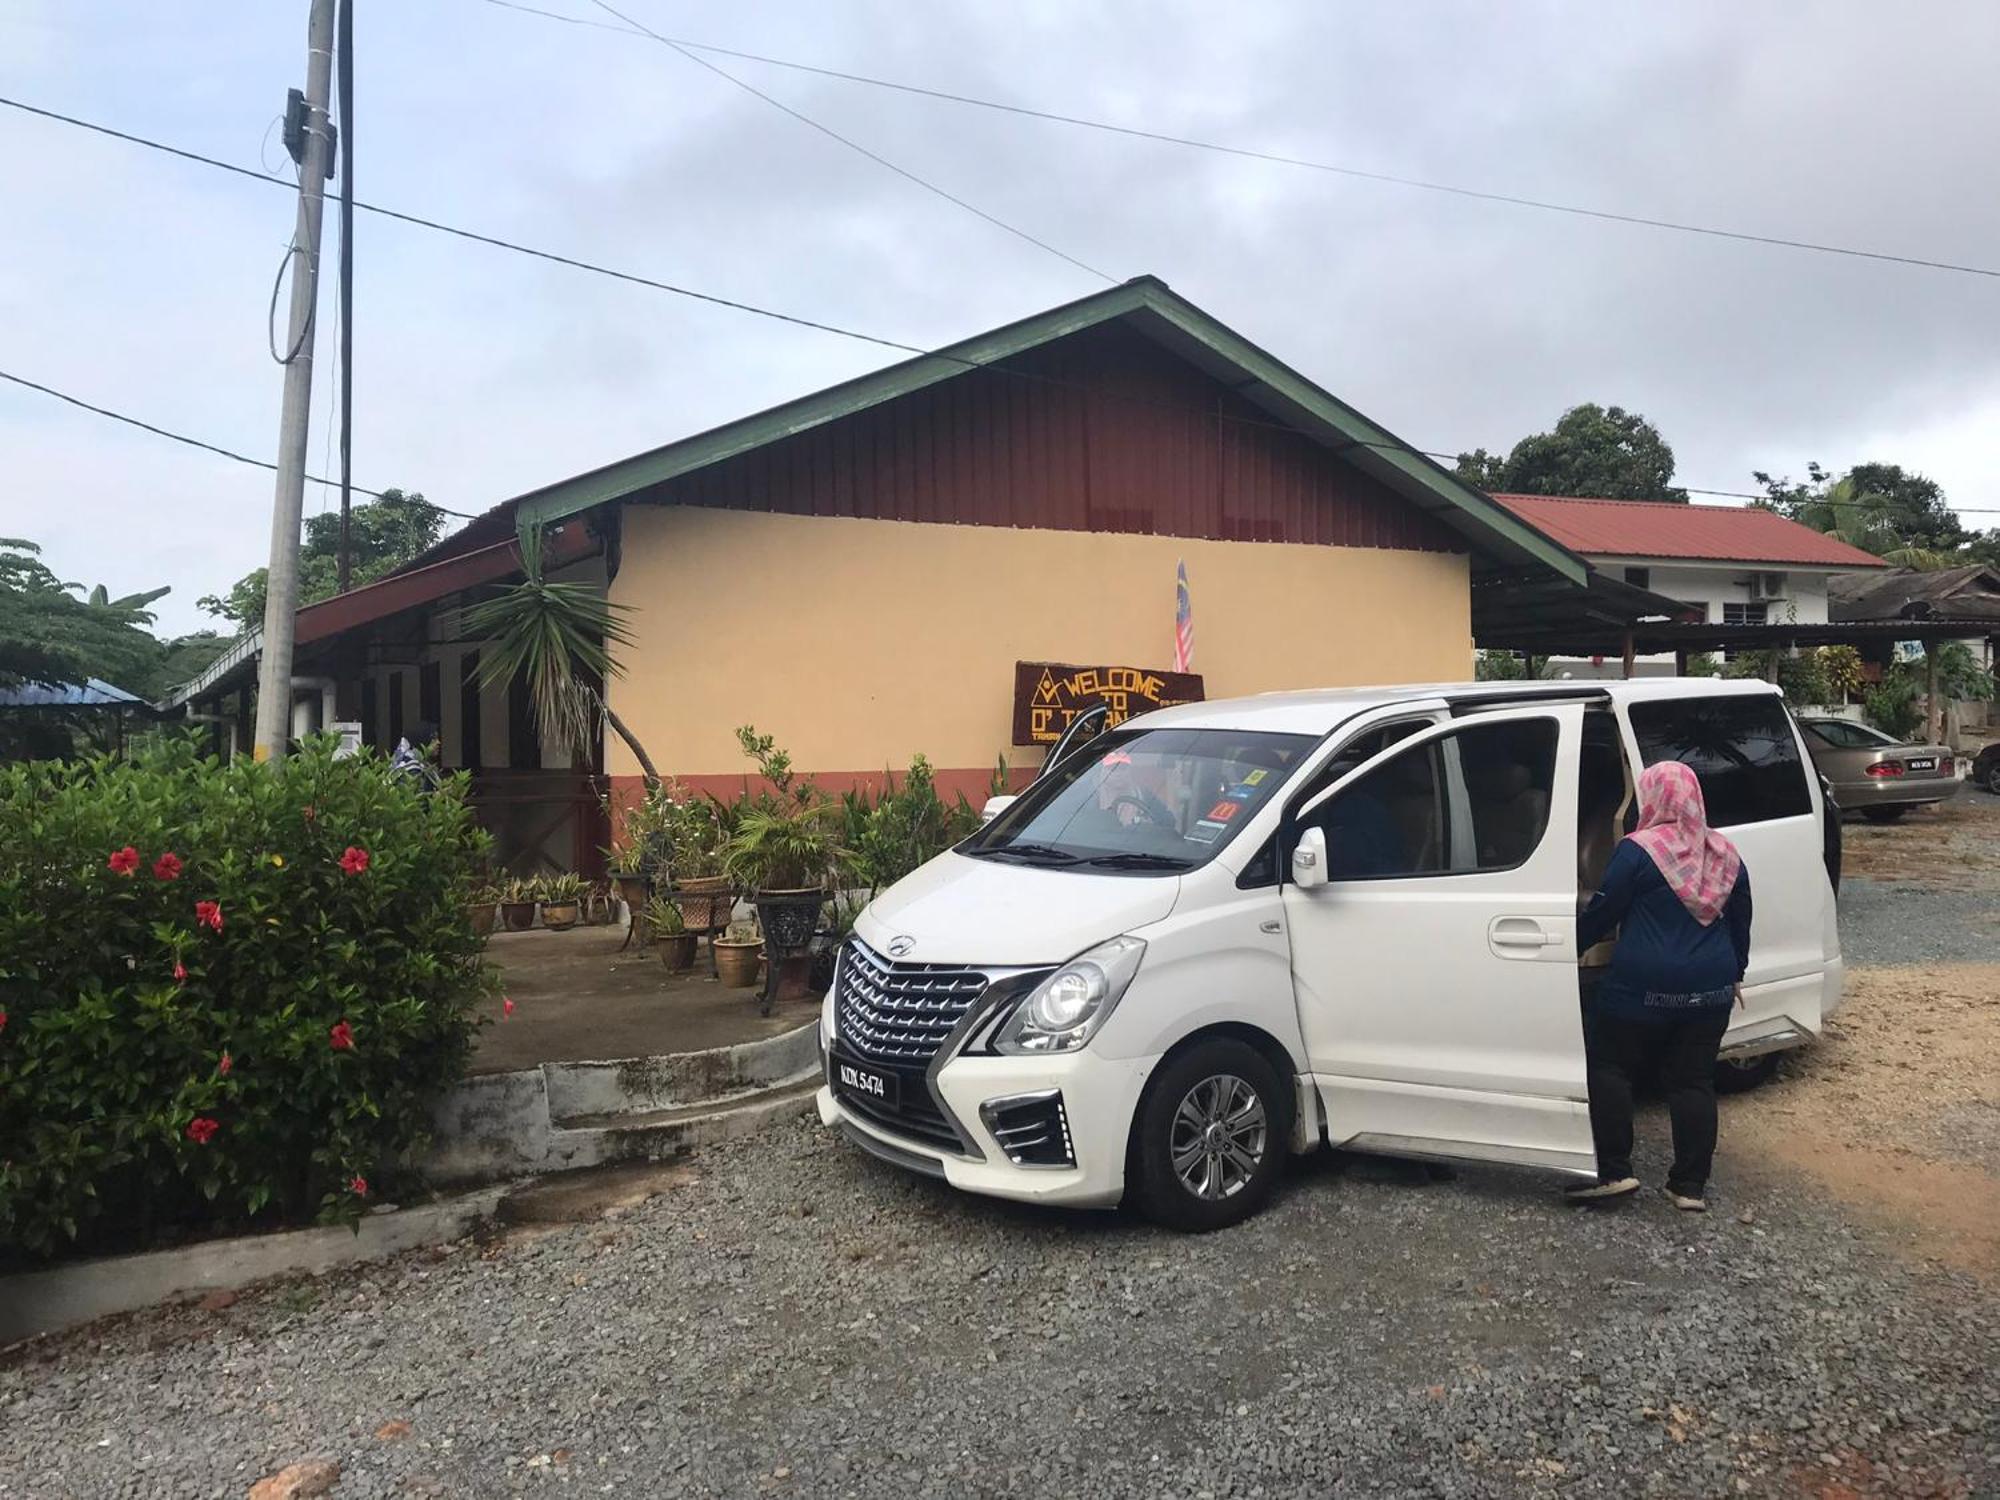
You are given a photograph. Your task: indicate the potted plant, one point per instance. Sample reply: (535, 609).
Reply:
(787, 855)
(599, 905)
(626, 864)
(562, 901)
(670, 932)
(695, 845)
(481, 907)
(517, 904)
(736, 955)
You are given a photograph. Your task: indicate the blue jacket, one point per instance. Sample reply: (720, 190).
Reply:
(1664, 957)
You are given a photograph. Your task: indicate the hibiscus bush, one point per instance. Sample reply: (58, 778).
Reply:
(228, 994)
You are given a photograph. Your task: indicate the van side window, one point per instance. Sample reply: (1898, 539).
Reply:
(1742, 750)
(1401, 819)
(1364, 747)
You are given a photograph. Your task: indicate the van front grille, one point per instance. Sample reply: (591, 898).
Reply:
(896, 1012)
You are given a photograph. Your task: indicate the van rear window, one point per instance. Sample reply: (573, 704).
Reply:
(1742, 750)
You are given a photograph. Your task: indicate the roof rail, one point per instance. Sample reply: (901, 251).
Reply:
(1514, 697)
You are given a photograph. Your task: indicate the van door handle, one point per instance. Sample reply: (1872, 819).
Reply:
(1520, 932)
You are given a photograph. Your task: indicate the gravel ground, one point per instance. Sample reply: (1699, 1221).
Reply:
(789, 1317)
(1925, 890)
(802, 1320)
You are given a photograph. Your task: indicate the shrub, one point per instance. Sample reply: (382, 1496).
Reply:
(228, 995)
(1893, 707)
(905, 827)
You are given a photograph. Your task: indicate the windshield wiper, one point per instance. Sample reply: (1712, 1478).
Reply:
(1040, 853)
(1136, 860)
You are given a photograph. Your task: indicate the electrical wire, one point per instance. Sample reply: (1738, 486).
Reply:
(732, 303)
(640, 28)
(1273, 157)
(192, 442)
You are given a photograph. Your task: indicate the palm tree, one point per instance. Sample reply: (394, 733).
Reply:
(1866, 520)
(559, 637)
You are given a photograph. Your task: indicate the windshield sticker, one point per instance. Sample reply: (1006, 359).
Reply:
(1222, 812)
(1240, 793)
(1116, 758)
(1206, 832)
(1256, 777)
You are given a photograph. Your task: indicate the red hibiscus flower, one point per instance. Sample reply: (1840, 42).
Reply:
(180, 972)
(168, 866)
(201, 1130)
(223, 1064)
(354, 861)
(124, 862)
(506, 1006)
(209, 914)
(359, 1186)
(3, 1020)
(340, 1036)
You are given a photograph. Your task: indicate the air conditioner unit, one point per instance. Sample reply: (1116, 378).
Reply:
(1767, 586)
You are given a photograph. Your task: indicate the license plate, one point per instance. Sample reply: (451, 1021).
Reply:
(871, 1085)
(1922, 763)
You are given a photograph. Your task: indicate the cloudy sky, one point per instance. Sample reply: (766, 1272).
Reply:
(141, 283)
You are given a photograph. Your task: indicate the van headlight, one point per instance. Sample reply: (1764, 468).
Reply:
(1063, 1012)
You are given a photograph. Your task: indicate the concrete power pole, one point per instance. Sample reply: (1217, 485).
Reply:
(274, 674)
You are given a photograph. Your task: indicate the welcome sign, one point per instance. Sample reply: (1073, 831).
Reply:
(1047, 695)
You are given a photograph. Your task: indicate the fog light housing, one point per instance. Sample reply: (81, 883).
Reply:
(1032, 1129)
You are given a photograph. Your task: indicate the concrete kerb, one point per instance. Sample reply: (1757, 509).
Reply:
(499, 1125)
(511, 1124)
(38, 1302)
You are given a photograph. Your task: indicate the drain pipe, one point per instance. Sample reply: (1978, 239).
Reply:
(302, 713)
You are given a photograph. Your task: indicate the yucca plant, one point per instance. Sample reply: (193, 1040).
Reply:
(559, 637)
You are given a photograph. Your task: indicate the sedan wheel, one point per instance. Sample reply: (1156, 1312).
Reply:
(1210, 1136)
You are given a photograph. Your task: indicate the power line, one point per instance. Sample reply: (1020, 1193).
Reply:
(714, 300)
(853, 145)
(1252, 153)
(192, 442)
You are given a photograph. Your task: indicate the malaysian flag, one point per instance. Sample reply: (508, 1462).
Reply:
(1183, 622)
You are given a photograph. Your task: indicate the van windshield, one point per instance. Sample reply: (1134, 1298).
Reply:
(1144, 801)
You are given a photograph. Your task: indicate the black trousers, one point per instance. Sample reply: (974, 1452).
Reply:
(1678, 1046)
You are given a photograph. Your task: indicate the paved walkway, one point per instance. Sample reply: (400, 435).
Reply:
(577, 996)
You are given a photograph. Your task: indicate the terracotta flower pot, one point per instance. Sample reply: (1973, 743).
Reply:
(518, 915)
(677, 952)
(794, 977)
(480, 915)
(736, 963)
(559, 916)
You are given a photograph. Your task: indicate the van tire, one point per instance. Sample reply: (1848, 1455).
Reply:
(1741, 1077)
(1192, 1085)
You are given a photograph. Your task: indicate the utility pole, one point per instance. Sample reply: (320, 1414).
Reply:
(274, 674)
(344, 61)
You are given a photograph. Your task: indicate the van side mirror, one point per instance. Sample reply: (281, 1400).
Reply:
(996, 806)
(1309, 859)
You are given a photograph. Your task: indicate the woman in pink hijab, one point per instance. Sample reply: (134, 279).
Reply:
(1678, 897)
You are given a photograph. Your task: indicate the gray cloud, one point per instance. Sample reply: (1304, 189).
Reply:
(142, 283)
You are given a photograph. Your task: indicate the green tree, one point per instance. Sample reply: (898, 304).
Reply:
(383, 534)
(49, 635)
(1901, 517)
(558, 637)
(1604, 452)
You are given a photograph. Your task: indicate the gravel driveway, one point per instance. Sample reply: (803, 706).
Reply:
(788, 1317)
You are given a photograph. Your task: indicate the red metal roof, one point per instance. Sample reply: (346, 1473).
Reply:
(1649, 528)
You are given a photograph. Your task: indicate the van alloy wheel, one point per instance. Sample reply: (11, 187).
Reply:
(1220, 1135)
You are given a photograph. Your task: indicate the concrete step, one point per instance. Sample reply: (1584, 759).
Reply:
(593, 1140)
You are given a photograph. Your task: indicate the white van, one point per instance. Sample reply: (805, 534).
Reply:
(1229, 930)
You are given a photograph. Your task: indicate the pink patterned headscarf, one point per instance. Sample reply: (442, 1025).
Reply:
(1699, 863)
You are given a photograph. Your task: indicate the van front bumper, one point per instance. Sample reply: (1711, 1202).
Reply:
(1098, 1098)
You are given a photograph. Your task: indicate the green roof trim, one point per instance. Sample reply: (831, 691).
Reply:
(1154, 308)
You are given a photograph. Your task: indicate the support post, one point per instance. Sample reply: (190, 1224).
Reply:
(1933, 708)
(274, 668)
(1630, 653)
(1680, 661)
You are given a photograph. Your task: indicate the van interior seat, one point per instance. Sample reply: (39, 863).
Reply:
(1513, 811)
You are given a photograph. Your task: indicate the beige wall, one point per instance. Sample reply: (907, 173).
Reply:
(858, 643)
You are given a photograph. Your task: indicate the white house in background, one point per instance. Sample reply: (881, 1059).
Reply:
(1737, 566)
